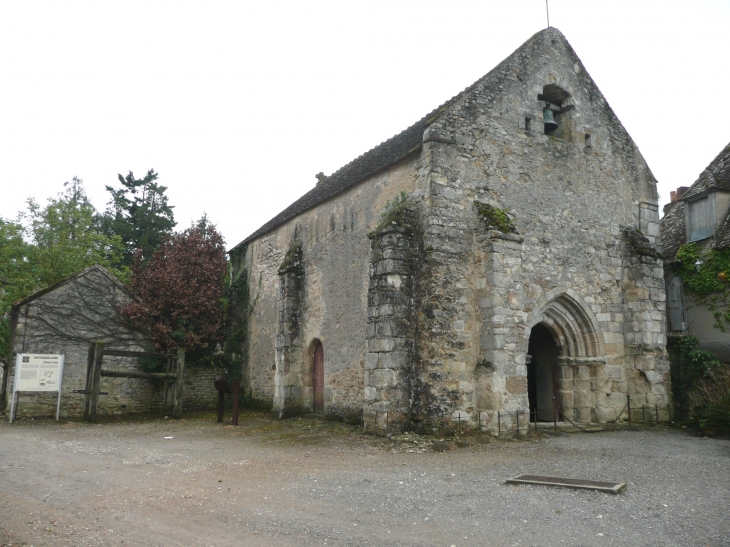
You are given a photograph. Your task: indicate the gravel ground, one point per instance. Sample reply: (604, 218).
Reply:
(305, 483)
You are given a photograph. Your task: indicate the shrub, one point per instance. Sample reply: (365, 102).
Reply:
(711, 397)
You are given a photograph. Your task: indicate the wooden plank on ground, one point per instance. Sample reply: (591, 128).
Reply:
(602, 486)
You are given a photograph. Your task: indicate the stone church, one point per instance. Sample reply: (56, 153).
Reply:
(499, 255)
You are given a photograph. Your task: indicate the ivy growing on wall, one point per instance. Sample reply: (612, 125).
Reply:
(708, 281)
(238, 311)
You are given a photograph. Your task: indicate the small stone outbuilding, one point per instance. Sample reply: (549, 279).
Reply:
(65, 319)
(499, 252)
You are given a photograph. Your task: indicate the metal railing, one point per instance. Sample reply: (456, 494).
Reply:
(460, 425)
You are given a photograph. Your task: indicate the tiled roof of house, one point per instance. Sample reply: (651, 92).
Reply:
(715, 176)
(382, 156)
(673, 231)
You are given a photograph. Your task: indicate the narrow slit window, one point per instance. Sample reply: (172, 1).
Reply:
(588, 140)
(528, 124)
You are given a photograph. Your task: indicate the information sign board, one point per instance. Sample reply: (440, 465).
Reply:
(37, 372)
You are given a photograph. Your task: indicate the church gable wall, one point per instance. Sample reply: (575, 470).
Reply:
(569, 196)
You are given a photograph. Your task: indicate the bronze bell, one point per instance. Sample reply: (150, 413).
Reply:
(550, 124)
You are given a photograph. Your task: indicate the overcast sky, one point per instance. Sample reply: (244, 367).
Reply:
(237, 105)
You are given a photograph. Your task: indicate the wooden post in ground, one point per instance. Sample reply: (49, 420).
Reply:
(166, 401)
(179, 370)
(236, 392)
(221, 403)
(87, 386)
(96, 379)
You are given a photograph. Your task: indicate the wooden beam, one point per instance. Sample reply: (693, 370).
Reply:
(135, 374)
(146, 355)
(87, 385)
(601, 486)
(180, 368)
(96, 379)
(236, 392)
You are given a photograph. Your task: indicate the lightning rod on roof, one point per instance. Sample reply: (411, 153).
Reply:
(547, 11)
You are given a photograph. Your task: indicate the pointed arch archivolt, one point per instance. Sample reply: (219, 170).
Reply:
(571, 323)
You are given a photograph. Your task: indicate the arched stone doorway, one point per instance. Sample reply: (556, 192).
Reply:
(542, 373)
(318, 378)
(567, 346)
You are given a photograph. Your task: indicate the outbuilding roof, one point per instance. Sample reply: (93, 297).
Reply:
(69, 279)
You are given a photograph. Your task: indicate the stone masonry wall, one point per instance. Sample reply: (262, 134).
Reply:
(569, 195)
(478, 294)
(393, 383)
(336, 254)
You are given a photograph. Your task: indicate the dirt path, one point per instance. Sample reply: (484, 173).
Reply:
(301, 483)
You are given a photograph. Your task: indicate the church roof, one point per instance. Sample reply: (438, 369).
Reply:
(406, 142)
(382, 156)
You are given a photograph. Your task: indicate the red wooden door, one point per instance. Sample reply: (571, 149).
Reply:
(318, 379)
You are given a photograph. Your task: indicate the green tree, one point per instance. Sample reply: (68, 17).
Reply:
(139, 214)
(16, 278)
(49, 243)
(65, 237)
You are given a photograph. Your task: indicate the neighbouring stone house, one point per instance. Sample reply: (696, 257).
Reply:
(65, 319)
(698, 214)
(482, 261)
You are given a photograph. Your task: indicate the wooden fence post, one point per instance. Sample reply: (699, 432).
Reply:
(87, 386)
(236, 391)
(177, 410)
(96, 379)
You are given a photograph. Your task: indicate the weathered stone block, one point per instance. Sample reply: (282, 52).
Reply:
(371, 361)
(381, 344)
(517, 384)
(380, 378)
(394, 359)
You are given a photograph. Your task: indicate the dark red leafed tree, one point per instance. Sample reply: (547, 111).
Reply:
(181, 289)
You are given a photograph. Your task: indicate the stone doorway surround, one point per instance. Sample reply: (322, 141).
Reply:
(584, 391)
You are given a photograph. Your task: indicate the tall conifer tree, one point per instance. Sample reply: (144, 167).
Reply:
(140, 214)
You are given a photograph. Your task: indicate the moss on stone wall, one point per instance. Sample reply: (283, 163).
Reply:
(292, 262)
(397, 213)
(495, 218)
